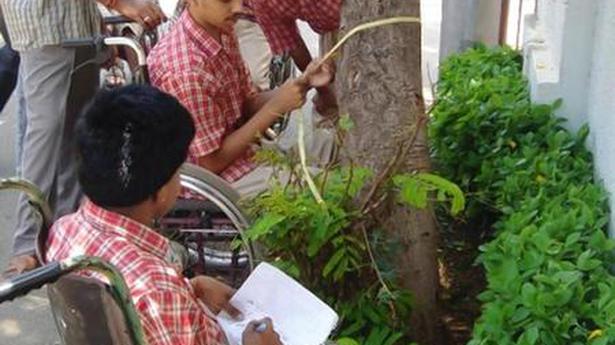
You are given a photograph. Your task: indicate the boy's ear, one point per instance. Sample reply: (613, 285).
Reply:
(158, 201)
(159, 195)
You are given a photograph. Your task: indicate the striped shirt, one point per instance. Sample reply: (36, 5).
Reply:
(37, 23)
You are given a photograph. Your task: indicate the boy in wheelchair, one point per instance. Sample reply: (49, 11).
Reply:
(131, 143)
(199, 63)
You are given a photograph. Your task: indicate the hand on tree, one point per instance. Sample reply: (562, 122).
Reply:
(289, 96)
(318, 74)
(144, 12)
(215, 294)
(254, 336)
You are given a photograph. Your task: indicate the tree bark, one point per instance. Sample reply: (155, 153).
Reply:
(379, 86)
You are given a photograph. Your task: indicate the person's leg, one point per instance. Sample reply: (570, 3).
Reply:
(259, 180)
(263, 178)
(255, 51)
(321, 148)
(20, 125)
(46, 83)
(84, 83)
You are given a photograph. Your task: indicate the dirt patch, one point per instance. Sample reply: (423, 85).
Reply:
(461, 280)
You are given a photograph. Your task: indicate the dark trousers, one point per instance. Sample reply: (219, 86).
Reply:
(9, 65)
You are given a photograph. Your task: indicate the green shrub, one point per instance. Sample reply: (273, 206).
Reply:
(337, 250)
(547, 267)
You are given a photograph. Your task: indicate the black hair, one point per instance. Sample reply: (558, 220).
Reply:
(131, 141)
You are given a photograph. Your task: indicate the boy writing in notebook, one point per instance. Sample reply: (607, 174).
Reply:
(199, 63)
(131, 143)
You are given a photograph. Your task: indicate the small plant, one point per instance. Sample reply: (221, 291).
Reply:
(336, 248)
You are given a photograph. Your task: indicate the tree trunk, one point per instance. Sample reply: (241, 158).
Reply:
(379, 86)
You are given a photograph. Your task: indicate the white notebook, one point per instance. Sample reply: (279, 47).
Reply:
(298, 316)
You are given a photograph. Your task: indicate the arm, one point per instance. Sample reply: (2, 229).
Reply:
(256, 102)
(216, 151)
(237, 143)
(288, 97)
(325, 101)
(215, 294)
(144, 12)
(312, 77)
(301, 55)
(175, 317)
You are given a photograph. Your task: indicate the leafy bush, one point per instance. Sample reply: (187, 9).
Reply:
(336, 249)
(547, 268)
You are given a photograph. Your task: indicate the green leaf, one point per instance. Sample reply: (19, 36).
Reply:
(264, 225)
(415, 188)
(557, 104)
(586, 263)
(347, 341)
(333, 262)
(345, 123)
(530, 336)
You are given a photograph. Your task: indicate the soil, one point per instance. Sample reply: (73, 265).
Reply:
(461, 280)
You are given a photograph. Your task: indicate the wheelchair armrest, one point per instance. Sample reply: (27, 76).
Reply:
(117, 19)
(32, 280)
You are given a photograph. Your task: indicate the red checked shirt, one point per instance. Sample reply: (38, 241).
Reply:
(211, 80)
(278, 19)
(170, 312)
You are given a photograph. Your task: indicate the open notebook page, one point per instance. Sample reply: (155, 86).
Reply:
(298, 316)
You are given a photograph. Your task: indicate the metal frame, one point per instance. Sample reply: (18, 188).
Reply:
(50, 273)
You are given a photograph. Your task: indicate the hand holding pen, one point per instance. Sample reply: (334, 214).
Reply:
(260, 332)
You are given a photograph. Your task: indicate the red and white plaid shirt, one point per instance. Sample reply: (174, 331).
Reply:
(278, 19)
(211, 80)
(169, 310)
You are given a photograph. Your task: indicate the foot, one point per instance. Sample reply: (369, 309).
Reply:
(20, 264)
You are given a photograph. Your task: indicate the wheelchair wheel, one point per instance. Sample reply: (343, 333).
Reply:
(208, 225)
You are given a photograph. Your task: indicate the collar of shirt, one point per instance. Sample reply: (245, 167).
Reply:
(201, 38)
(119, 225)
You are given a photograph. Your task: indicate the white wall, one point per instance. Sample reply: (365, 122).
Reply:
(468, 21)
(570, 54)
(601, 100)
(559, 47)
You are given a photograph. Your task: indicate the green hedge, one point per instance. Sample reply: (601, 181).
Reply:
(547, 266)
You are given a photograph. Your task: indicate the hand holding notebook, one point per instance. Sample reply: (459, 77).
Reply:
(298, 316)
